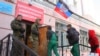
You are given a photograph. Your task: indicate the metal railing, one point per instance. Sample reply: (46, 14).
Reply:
(6, 45)
(63, 50)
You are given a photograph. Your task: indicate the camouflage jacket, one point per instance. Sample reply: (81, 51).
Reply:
(17, 28)
(35, 31)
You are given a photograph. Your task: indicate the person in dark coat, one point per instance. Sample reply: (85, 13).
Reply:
(73, 38)
(18, 32)
(93, 41)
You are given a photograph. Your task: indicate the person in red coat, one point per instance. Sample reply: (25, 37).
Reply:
(93, 41)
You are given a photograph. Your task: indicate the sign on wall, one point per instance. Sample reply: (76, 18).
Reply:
(6, 8)
(29, 12)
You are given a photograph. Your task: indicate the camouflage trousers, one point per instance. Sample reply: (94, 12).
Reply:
(35, 45)
(16, 50)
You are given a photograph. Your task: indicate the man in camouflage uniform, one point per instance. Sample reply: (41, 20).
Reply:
(35, 35)
(18, 32)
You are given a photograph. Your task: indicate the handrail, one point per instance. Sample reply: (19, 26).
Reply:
(79, 44)
(85, 45)
(5, 37)
(24, 46)
(8, 42)
(19, 43)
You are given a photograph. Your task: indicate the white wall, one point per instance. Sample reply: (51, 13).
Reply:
(5, 25)
(5, 21)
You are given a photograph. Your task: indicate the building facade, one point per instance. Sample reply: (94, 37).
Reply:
(52, 18)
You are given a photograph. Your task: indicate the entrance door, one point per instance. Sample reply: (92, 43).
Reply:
(27, 38)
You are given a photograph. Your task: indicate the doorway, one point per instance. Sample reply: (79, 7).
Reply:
(27, 37)
(28, 33)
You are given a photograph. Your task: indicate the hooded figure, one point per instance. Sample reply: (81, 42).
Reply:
(93, 41)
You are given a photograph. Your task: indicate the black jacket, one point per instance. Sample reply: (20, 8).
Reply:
(49, 34)
(73, 36)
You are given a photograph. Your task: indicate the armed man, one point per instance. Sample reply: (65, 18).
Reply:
(18, 32)
(35, 35)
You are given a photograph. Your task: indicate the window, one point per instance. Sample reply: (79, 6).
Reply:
(10, 1)
(84, 40)
(62, 40)
(71, 2)
(75, 2)
(53, 1)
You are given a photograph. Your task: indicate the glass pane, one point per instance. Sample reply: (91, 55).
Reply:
(41, 0)
(53, 1)
(83, 40)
